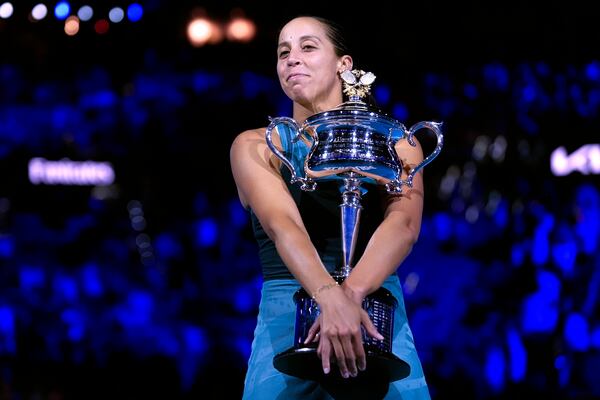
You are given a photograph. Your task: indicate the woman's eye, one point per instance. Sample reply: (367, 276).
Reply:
(283, 53)
(308, 47)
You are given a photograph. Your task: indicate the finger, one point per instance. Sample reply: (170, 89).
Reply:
(340, 357)
(313, 331)
(369, 327)
(361, 358)
(349, 351)
(320, 349)
(324, 351)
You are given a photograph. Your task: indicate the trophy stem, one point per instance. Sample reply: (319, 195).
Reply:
(350, 217)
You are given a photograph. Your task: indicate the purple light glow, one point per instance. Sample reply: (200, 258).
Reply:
(67, 172)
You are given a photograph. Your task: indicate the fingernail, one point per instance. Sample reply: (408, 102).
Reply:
(345, 375)
(326, 370)
(362, 367)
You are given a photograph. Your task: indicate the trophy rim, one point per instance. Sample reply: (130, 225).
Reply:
(304, 363)
(351, 111)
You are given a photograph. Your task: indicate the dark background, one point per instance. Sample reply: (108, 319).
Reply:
(148, 288)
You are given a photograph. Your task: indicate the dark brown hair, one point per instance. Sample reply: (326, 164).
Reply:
(336, 35)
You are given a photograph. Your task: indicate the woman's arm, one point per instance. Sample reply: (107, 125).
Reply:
(392, 241)
(261, 188)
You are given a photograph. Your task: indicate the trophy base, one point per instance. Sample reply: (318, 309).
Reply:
(304, 363)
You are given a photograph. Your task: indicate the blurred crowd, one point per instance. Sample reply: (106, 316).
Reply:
(150, 285)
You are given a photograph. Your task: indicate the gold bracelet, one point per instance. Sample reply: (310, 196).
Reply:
(324, 287)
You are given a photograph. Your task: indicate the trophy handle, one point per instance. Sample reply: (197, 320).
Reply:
(306, 184)
(435, 127)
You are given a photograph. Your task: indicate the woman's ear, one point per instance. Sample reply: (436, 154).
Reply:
(345, 63)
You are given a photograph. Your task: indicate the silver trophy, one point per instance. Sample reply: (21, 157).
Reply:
(352, 144)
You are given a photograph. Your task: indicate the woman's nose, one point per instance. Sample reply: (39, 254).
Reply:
(293, 58)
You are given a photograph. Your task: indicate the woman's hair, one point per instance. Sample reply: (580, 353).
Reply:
(335, 33)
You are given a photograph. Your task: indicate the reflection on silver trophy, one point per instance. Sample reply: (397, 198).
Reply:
(353, 143)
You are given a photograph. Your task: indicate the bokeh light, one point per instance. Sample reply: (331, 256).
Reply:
(240, 29)
(201, 31)
(85, 13)
(72, 25)
(116, 14)
(39, 12)
(6, 10)
(101, 26)
(135, 12)
(62, 10)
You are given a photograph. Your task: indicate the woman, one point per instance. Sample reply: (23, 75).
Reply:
(296, 230)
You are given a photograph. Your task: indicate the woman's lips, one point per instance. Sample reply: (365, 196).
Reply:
(295, 76)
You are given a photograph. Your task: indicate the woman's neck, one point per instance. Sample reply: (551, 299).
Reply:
(301, 111)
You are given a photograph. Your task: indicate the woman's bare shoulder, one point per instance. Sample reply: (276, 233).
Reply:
(249, 135)
(248, 145)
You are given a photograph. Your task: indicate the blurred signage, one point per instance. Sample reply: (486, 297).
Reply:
(67, 172)
(585, 160)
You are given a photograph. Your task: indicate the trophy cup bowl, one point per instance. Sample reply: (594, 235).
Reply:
(352, 143)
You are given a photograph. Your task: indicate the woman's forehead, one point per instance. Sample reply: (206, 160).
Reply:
(303, 26)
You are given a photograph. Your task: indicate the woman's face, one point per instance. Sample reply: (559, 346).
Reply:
(307, 65)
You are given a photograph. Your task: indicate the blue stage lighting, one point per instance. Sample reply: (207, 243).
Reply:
(135, 12)
(62, 10)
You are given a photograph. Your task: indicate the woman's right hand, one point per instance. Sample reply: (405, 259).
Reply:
(339, 332)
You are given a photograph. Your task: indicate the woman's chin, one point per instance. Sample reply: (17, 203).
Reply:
(298, 95)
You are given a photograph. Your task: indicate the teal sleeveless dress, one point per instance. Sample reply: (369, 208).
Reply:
(274, 332)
